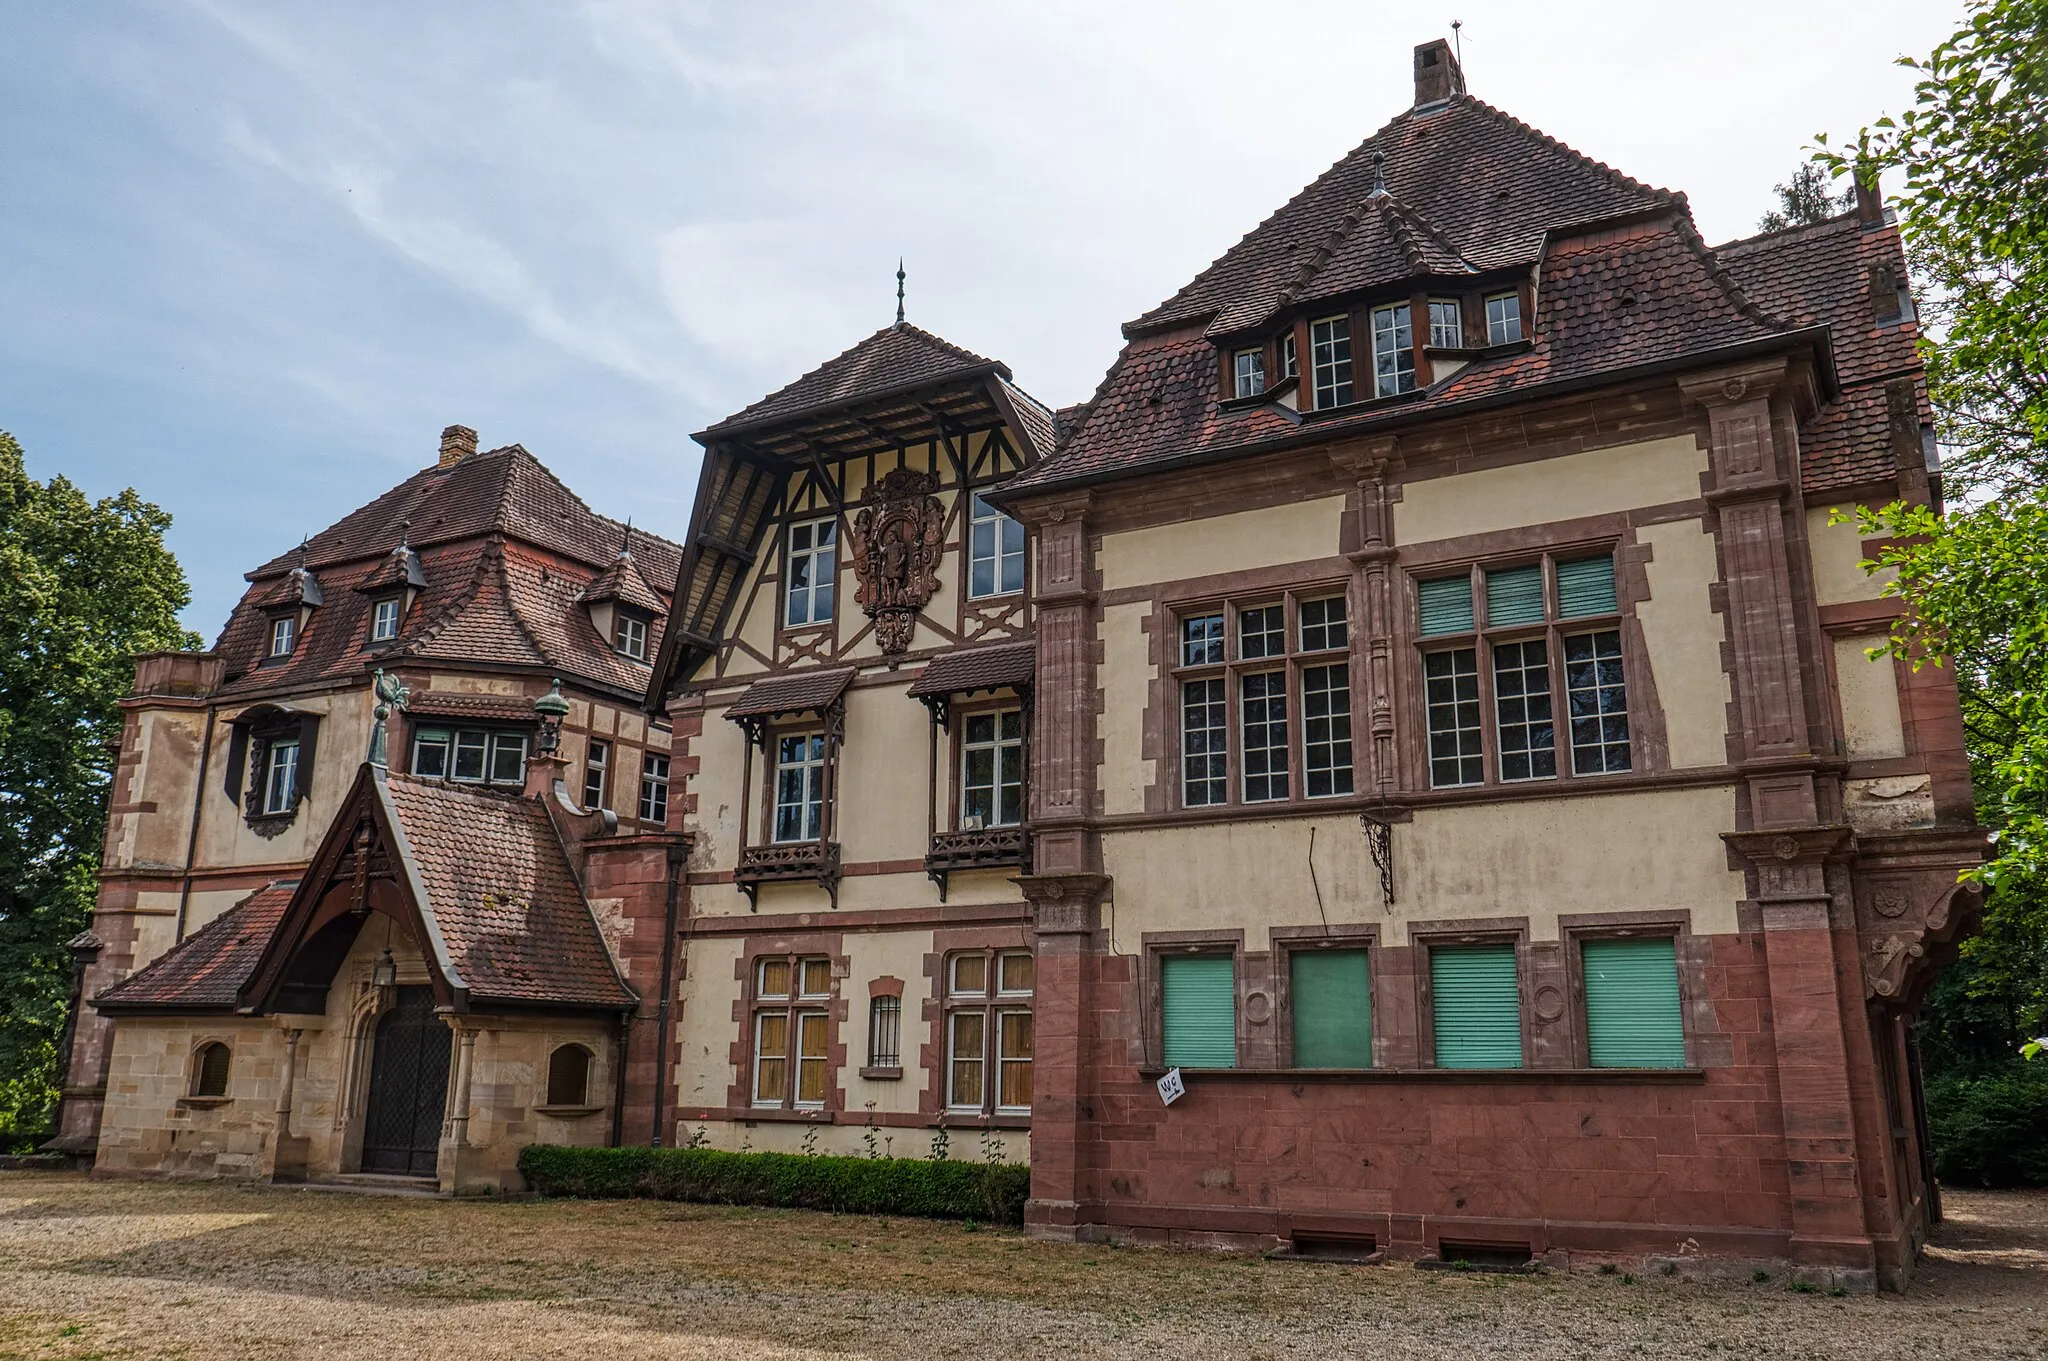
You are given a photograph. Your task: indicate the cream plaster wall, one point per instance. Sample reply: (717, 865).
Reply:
(470, 683)
(1837, 551)
(885, 954)
(705, 1027)
(1269, 537)
(1567, 487)
(884, 775)
(1126, 676)
(344, 743)
(166, 762)
(1871, 725)
(721, 749)
(1683, 636)
(1536, 859)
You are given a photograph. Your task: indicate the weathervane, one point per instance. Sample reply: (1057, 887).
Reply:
(391, 694)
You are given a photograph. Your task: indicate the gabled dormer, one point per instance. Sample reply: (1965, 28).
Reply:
(623, 607)
(288, 609)
(391, 590)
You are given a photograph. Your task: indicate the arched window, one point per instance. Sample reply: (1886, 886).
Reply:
(210, 1070)
(569, 1076)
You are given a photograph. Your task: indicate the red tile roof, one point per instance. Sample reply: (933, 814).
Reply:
(893, 358)
(507, 553)
(977, 668)
(1491, 187)
(791, 693)
(206, 970)
(511, 921)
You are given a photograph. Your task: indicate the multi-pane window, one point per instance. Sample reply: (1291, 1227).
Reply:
(654, 788)
(1290, 364)
(1330, 995)
(792, 1030)
(1265, 658)
(1393, 351)
(992, 769)
(1248, 371)
(470, 755)
(284, 630)
(885, 1032)
(799, 786)
(1520, 621)
(813, 568)
(995, 552)
(1204, 743)
(597, 759)
(989, 1031)
(1503, 318)
(383, 621)
(629, 635)
(281, 775)
(1446, 324)
(1198, 1011)
(1329, 352)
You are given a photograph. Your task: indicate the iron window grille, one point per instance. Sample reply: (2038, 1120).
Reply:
(885, 1032)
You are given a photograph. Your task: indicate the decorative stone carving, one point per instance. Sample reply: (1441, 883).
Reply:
(897, 541)
(1900, 916)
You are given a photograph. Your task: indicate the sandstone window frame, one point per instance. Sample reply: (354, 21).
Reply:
(1483, 637)
(800, 1018)
(1425, 939)
(885, 1036)
(1155, 948)
(987, 995)
(1576, 929)
(571, 1067)
(1215, 654)
(211, 1070)
(1288, 941)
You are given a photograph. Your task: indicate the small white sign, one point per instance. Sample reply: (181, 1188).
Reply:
(1171, 1088)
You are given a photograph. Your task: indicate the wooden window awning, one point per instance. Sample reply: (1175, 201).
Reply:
(967, 670)
(794, 693)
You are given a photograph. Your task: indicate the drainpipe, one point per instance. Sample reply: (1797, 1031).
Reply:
(677, 856)
(621, 1043)
(198, 804)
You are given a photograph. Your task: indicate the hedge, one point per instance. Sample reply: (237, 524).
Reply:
(991, 1192)
(1990, 1126)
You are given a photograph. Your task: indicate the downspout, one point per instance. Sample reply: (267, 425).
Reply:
(621, 1043)
(198, 806)
(677, 856)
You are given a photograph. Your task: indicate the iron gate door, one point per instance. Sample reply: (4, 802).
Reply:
(408, 1088)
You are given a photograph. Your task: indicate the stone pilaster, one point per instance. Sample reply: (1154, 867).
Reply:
(1066, 697)
(1375, 467)
(1070, 945)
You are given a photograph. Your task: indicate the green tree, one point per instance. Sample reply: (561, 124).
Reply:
(1804, 201)
(83, 587)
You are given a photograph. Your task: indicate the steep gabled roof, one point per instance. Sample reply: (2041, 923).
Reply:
(893, 359)
(1491, 188)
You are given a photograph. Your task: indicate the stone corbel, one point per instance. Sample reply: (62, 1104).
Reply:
(1903, 920)
(1791, 863)
(1065, 904)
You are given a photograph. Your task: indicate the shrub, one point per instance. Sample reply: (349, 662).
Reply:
(993, 1193)
(1990, 1126)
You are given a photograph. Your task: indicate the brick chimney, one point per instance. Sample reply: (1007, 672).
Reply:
(457, 443)
(1437, 76)
(1869, 200)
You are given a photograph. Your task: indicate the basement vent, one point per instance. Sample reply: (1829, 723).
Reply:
(1483, 1256)
(1325, 1247)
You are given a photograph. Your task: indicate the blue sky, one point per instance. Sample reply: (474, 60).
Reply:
(253, 256)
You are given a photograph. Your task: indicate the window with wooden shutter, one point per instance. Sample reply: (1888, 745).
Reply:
(1332, 1008)
(1633, 1018)
(1446, 605)
(1514, 596)
(1199, 1011)
(1475, 1005)
(1586, 586)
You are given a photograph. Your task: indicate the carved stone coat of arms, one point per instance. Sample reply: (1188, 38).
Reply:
(898, 535)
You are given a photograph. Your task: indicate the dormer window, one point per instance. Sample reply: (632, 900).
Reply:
(284, 632)
(1329, 347)
(1249, 366)
(1503, 318)
(1446, 324)
(384, 621)
(1290, 364)
(629, 635)
(1393, 351)
(813, 562)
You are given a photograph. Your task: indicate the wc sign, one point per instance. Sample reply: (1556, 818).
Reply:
(1171, 1088)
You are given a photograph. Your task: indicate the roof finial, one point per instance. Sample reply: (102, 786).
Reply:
(405, 535)
(899, 290)
(1379, 174)
(1458, 40)
(626, 540)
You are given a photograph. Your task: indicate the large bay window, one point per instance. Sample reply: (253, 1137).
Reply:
(1493, 690)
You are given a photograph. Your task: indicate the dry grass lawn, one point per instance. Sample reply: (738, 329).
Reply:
(98, 1269)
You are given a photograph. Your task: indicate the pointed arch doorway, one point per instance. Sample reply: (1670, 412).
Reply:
(408, 1087)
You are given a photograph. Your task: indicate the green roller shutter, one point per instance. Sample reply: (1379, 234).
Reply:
(1632, 1013)
(1476, 1003)
(1514, 596)
(1446, 605)
(1586, 587)
(1200, 1011)
(1332, 992)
